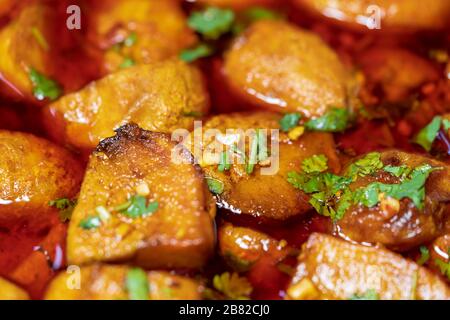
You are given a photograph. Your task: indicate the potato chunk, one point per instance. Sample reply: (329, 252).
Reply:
(33, 172)
(107, 282)
(261, 193)
(330, 268)
(159, 97)
(396, 15)
(400, 225)
(178, 234)
(9, 291)
(242, 247)
(278, 66)
(156, 30)
(22, 47)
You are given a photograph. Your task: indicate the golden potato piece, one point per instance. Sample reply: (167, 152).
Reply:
(158, 30)
(278, 66)
(403, 227)
(265, 192)
(9, 291)
(396, 15)
(159, 97)
(178, 234)
(23, 46)
(239, 4)
(33, 172)
(241, 247)
(330, 268)
(107, 282)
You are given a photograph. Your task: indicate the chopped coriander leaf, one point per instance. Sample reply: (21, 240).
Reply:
(130, 40)
(424, 255)
(224, 162)
(37, 34)
(315, 164)
(44, 87)
(446, 124)
(90, 222)
(365, 166)
(137, 284)
(260, 13)
(65, 207)
(368, 295)
(193, 114)
(289, 121)
(444, 267)
(262, 145)
(138, 207)
(127, 62)
(232, 286)
(215, 186)
(400, 171)
(212, 22)
(253, 156)
(428, 134)
(335, 120)
(201, 51)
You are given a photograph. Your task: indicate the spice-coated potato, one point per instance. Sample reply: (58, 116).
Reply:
(107, 282)
(400, 225)
(330, 268)
(179, 234)
(278, 66)
(22, 47)
(9, 291)
(33, 172)
(396, 15)
(261, 195)
(241, 247)
(158, 30)
(159, 97)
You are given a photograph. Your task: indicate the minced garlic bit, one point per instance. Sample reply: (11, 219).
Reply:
(296, 133)
(142, 189)
(303, 290)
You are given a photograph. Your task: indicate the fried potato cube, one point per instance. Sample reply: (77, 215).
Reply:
(400, 225)
(159, 97)
(392, 15)
(23, 46)
(278, 66)
(261, 194)
(108, 282)
(158, 30)
(179, 234)
(9, 291)
(34, 172)
(330, 268)
(242, 247)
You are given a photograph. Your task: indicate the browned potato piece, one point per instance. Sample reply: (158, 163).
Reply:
(159, 97)
(107, 282)
(33, 172)
(239, 4)
(440, 254)
(396, 15)
(278, 66)
(267, 195)
(242, 247)
(179, 234)
(406, 226)
(330, 268)
(159, 27)
(22, 47)
(9, 291)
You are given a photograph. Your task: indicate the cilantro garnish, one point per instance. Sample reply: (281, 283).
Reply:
(260, 13)
(336, 120)
(446, 124)
(65, 207)
(137, 207)
(315, 164)
(289, 121)
(44, 87)
(428, 134)
(193, 114)
(212, 22)
(215, 186)
(137, 284)
(127, 62)
(232, 286)
(91, 222)
(367, 165)
(399, 172)
(443, 266)
(201, 51)
(368, 295)
(424, 255)
(130, 40)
